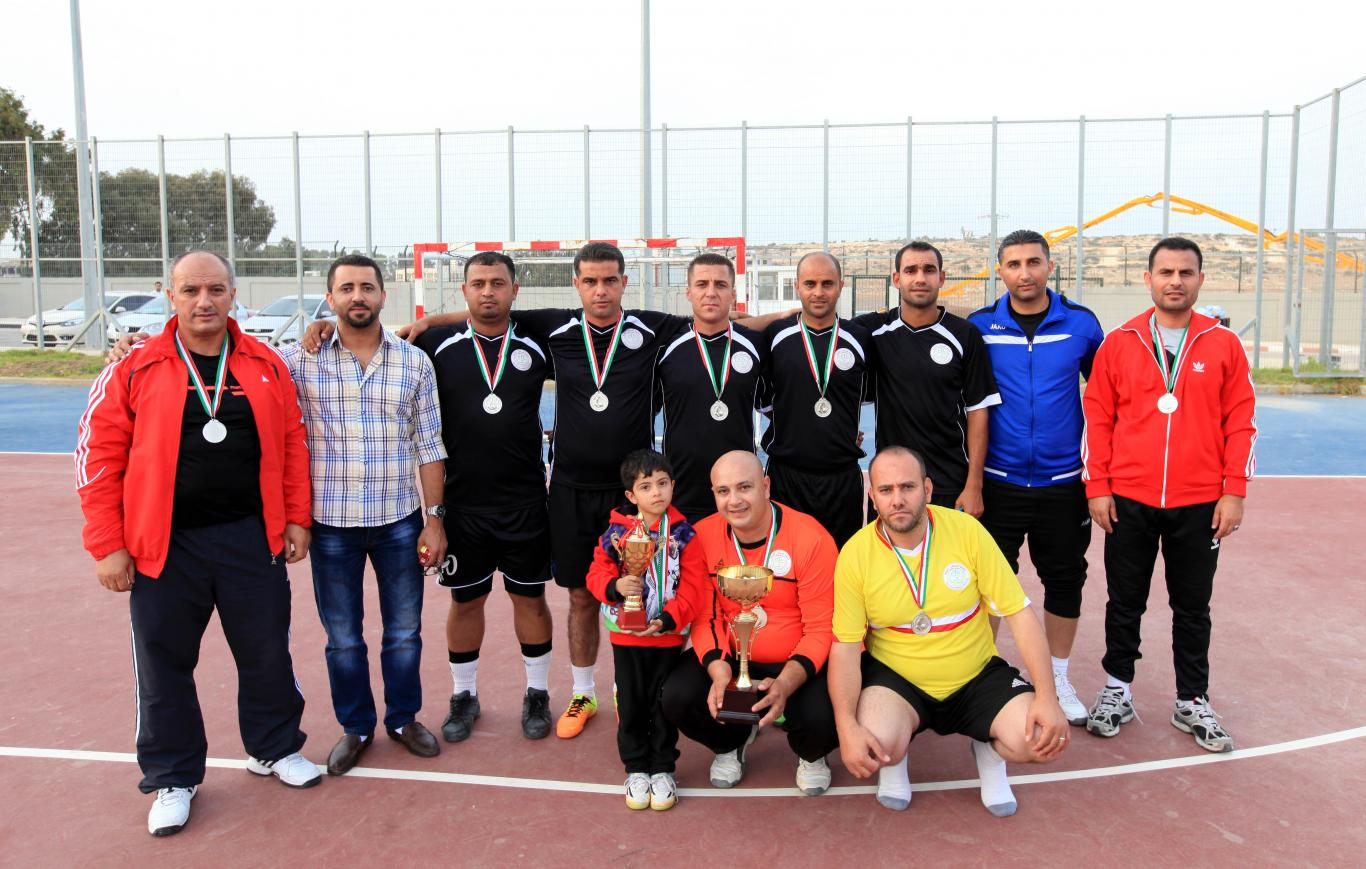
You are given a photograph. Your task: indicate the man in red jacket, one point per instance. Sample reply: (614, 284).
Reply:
(1167, 453)
(193, 476)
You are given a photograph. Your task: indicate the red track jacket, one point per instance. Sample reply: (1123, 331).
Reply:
(129, 442)
(1192, 456)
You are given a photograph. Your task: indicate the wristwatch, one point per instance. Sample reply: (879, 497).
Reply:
(437, 510)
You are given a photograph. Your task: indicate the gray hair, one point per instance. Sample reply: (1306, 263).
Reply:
(227, 266)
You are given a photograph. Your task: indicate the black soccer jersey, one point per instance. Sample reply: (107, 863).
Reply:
(928, 379)
(588, 443)
(693, 437)
(493, 460)
(797, 434)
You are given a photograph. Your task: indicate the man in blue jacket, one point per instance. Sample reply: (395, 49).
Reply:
(1039, 343)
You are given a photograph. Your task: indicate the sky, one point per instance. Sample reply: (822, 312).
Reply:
(266, 67)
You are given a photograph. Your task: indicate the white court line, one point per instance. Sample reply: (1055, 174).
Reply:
(615, 789)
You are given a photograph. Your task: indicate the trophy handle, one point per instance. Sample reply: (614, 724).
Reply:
(743, 629)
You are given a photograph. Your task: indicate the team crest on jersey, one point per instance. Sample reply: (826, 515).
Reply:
(957, 577)
(741, 361)
(941, 354)
(780, 562)
(632, 338)
(844, 359)
(521, 360)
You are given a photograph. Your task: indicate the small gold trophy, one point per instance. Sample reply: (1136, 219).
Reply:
(636, 550)
(746, 585)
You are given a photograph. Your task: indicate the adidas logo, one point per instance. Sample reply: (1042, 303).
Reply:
(1198, 367)
(997, 327)
(263, 379)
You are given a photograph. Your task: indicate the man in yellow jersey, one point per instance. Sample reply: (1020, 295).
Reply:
(917, 586)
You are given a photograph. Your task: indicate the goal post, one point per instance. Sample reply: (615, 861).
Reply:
(655, 264)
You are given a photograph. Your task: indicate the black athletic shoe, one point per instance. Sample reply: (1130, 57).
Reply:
(464, 710)
(536, 714)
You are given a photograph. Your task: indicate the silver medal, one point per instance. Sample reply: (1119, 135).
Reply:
(492, 404)
(823, 407)
(598, 401)
(214, 431)
(1167, 403)
(719, 411)
(921, 624)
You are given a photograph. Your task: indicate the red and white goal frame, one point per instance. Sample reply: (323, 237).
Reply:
(628, 246)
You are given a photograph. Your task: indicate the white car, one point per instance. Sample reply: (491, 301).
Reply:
(152, 316)
(277, 313)
(61, 324)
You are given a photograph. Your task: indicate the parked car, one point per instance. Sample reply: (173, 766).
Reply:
(152, 316)
(277, 313)
(61, 324)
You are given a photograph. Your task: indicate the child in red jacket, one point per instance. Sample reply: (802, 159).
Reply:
(673, 588)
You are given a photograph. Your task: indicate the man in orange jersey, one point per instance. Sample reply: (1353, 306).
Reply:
(791, 640)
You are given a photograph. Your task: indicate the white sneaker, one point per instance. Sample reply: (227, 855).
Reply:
(813, 777)
(663, 791)
(170, 811)
(294, 770)
(1073, 708)
(727, 769)
(637, 791)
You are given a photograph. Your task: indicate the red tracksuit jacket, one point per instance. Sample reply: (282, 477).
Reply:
(129, 442)
(1193, 456)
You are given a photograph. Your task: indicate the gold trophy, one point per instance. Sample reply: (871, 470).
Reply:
(746, 585)
(636, 550)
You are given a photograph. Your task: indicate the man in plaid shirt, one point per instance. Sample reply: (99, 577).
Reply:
(371, 410)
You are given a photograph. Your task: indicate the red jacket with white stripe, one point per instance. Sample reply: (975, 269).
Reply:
(1195, 455)
(128, 446)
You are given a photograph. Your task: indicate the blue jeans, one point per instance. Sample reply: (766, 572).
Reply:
(338, 558)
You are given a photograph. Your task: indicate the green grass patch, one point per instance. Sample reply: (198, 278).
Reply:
(49, 363)
(1325, 385)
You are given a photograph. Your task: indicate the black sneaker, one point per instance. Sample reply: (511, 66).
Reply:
(464, 710)
(536, 714)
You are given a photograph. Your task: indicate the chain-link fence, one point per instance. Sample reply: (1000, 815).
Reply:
(1103, 190)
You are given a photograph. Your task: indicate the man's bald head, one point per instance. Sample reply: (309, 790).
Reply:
(741, 490)
(896, 452)
(202, 260)
(821, 256)
(737, 463)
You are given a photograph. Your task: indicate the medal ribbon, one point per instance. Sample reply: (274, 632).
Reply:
(658, 564)
(768, 547)
(198, 382)
(821, 382)
(497, 376)
(600, 378)
(718, 385)
(917, 591)
(1168, 373)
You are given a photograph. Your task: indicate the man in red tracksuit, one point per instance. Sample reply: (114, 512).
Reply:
(1167, 453)
(193, 476)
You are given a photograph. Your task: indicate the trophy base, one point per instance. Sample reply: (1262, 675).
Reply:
(735, 706)
(632, 620)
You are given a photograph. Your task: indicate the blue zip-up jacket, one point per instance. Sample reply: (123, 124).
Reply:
(1035, 432)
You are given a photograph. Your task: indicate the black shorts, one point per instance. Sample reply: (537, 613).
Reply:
(1058, 524)
(515, 542)
(835, 499)
(578, 517)
(970, 710)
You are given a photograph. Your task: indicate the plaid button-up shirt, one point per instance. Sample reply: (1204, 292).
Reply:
(367, 430)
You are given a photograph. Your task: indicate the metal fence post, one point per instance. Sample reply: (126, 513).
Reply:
(33, 242)
(228, 196)
(1167, 180)
(1330, 243)
(744, 184)
(1079, 265)
(1290, 239)
(298, 231)
(165, 220)
(664, 180)
(587, 189)
(991, 252)
(365, 194)
(909, 177)
(1261, 243)
(436, 166)
(95, 210)
(512, 187)
(825, 188)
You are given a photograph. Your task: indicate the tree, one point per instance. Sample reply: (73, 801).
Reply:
(15, 126)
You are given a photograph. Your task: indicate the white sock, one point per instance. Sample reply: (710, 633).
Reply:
(465, 676)
(583, 680)
(537, 671)
(1060, 666)
(894, 786)
(1112, 682)
(991, 769)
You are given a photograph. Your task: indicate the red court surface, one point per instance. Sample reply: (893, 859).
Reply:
(1287, 677)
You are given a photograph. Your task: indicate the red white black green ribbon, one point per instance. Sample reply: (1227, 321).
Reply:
(210, 407)
(600, 375)
(918, 585)
(492, 380)
(659, 564)
(822, 374)
(768, 546)
(718, 384)
(1169, 372)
